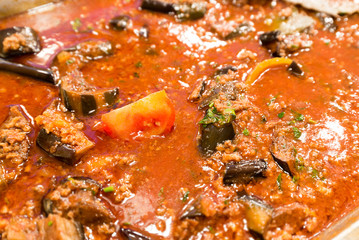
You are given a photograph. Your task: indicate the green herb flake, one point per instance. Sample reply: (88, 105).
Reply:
(76, 24)
(50, 223)
(279, 181)
(245, 132)
(213, 116)
(295, 179)
(226, 202)
(109, 189)
(136, 75)
(160, 193)
(70, 61)
(185, 196)
(211, 230)
(272, 100)
(297, 133)
(281, 114)
(299, 163)
(126, 224)
(138, 64)
(316, 174)
(299, 117)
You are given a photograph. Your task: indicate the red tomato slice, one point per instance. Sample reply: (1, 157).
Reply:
(152, 115)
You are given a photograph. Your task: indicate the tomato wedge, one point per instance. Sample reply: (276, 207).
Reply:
(151, 115)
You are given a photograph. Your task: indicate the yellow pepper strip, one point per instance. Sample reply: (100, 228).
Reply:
(262, 66)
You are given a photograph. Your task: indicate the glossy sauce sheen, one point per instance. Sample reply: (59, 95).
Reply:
(164, 167)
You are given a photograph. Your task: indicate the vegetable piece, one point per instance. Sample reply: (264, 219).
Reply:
(60, 134)
(79, 201)
(130, 234)
(264, 65)
(211, 136)
(83, 98)
(18, 41)
(224, 70)
(243, 171)
(152, 115)
(268, 38)
(37, 73)
(295, 69)
(144, 32)
(192, 210)
(120, 22)
(241, 30)
(258, 213)
(182, 10)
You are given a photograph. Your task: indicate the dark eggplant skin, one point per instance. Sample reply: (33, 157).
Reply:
(130, 234)
(26, 38)
(192, 210)
(224, 70)
(268, 37)
(144, 32)
(45, 75)
(243, 171)
(63, 152)
(182, 10)
(211, 136)
(295, 69)
(328, 22)
(88, 104)
(241, 30)
(282, 164)
(158, 6)
(120, 23)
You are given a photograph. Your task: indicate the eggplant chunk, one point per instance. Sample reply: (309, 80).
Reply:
(282, 153)
(243, 171)
(144, 32)
(295, 69)
(77, 198)
(268, 38)
(241, 30)
(56, 227)
(258, 213)
(211, 136)
(190, 10)
(132, 234)
(120, 22)
(61, 135)
(18, 41)
(192, 210)
(83, 98)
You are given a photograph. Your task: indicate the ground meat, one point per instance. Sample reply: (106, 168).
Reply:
(52, 227)
(76, 198)
(14, 145)
(14, 42)
(58, 121)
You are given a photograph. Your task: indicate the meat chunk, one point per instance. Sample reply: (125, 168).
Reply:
(56, 227)
(18, 40)
(51, 228)
(332, 7)
(14, 145)
(61, 134)
(76, 198)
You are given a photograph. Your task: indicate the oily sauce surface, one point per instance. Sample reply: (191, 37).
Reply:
(168, 172)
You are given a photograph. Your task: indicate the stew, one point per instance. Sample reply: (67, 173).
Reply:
(170, 119)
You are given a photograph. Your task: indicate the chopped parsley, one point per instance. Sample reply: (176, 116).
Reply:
(245, 132)
(185, 196)
(298, 116)
(214, 116)
(281, 114)
(138, 64)
(109, 189)
(70, 61)
(136, 75)
(272, 100)
(297, 133)
(160, 193)
(50, 223)
(295, 179)
(279, 181)
(76, 24)
(126, 224)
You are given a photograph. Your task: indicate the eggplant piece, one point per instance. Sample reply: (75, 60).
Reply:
(77, 198)
(241, 30)
(60, 134)
(211, 136)
(258, 213)
(132, 234)
(328, 22)
(192, 210)
(269, 37)
(144, 32)
(37, 73)
(295, 69)
(243, 171)
(182, 10)
(52, 144)
(56, 227)
(283, 165)
(18, 41)
(225, 70)
(120, 22)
